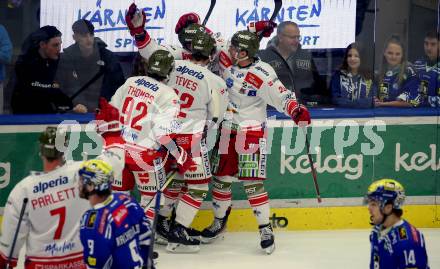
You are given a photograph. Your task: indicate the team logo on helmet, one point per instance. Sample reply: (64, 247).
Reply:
(98, 173)
(387, 191)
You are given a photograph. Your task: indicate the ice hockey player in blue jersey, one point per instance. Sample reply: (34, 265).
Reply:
(428, 70)
(115, 233)
(395, 243)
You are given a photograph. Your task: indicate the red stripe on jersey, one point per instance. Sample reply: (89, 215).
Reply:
(198, 181)
(221, 196)
(191, 201)
(259, 199)
(171, 194)
(414, 233)
(150, 213)
(76, 263)
(254, 80)
(225, 60)
(142, 44)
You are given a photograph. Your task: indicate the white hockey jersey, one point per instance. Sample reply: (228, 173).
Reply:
(50, 226)
(148, 110)
(202, 95)
(250, 90)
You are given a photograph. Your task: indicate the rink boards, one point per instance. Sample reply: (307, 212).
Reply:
(404, 148)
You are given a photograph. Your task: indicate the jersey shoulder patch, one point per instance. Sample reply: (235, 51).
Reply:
(254, 80)
(120, 214)
(224, 59)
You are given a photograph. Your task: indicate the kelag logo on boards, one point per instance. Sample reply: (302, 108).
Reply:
(5, 174)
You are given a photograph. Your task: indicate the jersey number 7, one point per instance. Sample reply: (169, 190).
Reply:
(61, 220)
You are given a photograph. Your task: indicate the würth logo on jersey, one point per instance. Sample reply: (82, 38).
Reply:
(254, 80)
(43, 186)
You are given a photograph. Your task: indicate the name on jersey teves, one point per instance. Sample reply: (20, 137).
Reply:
(146, 84)
(43, 186)
(185, 70)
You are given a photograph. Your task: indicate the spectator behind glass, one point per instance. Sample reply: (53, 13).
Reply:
(428, 70)
(5, 58)
(88, 61)
(293, 65)
(398, 82)
(35, 88)
(352, 85)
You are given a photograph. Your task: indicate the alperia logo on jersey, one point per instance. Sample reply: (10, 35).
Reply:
(185, 70)
(43, 186)
(147, 84)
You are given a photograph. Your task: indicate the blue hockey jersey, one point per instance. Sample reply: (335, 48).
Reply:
(115, 234)
(391, 90)
(429, 90)
(350, 90)
(401, 246)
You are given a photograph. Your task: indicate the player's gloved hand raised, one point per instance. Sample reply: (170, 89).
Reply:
(107, 117)
(299, 113)
(135, 20)
(185, 20)
(184, 161)
(264, 28)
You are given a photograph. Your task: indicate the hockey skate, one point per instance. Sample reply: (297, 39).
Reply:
(179, 240)
(216, 230)
(267, 238)
(162, 229)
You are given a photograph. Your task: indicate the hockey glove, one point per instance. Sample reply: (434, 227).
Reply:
(184, 161)
(299, 113)
(264, 28)
(107, 117)
(136, 24)
(185, 20)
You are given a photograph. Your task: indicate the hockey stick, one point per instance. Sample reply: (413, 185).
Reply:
(276, 10)
(312, 165)
(20, 218)
(150, 263)
(170, 178)
(211, 7)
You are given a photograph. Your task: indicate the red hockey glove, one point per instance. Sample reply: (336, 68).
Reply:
(184, 161)
(185, 20)
(135, 20)
(107, 117)
(299, 113)
(264, 28)
(136, 24)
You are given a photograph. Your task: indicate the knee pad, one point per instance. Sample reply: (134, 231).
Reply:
(253, 187)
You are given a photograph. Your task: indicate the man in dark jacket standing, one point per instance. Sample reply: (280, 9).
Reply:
(36, 91)
(294, 66)
(88, 61)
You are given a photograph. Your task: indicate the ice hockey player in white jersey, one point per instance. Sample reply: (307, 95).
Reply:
(203, 101)
(50, 224)
(241, 149)
(148, 112)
